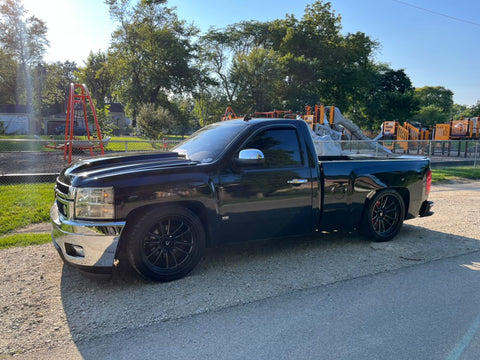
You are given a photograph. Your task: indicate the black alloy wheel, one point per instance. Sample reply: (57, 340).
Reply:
(166, 244)
(384, 215)
(169, 243)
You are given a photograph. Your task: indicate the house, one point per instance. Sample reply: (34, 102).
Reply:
(14, 119)
(119, 120)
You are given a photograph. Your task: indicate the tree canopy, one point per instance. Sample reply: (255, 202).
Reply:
(161, 67)
(152, 54)
(24, 41)
(290, 63)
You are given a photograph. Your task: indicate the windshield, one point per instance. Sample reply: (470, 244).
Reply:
(208, 143)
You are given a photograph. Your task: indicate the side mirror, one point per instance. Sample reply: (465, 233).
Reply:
(249, 157)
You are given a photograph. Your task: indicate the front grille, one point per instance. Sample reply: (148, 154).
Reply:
(62, 198)
(62, 208)
(63, 188)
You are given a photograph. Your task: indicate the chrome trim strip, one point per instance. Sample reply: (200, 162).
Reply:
(66, 202)
(81, 223)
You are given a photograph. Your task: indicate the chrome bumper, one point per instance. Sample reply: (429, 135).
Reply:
(87, 245)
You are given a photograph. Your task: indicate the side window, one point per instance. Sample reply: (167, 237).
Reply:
(280, 147)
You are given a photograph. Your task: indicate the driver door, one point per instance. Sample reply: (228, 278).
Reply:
(268, 200)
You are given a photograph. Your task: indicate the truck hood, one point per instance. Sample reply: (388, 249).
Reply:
(116, 165)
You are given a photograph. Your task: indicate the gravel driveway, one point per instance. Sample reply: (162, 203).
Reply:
(45, 304)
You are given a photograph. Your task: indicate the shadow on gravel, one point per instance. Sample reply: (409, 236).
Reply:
(243, 273)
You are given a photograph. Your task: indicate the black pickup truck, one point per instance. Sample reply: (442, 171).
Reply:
(231, 181)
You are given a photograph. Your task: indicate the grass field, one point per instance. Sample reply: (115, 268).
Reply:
(457, 172)
(27, 239)
(20, 206)
(25, 204)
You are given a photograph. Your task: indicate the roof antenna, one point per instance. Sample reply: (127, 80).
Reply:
(247, 117)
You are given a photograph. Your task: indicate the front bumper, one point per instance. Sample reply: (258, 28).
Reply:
(87, 245)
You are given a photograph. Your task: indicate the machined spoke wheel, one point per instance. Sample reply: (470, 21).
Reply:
(165, 243)
(384, 215)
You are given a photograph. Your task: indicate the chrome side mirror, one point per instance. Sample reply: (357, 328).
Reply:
(248, 157)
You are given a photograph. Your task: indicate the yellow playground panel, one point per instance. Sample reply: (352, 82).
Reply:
(458, 129)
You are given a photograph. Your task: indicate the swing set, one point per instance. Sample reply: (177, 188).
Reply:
(79, 102)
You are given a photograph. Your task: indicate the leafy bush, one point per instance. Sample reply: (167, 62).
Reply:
(153, 121)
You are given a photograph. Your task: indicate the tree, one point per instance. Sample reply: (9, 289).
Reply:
(472, 111)
(307, 61)
(153, 121)
(10, 91)
(257, 76)
(52, 84)
(98, 76)
(430, 115)
(437, 96)
(209, 106)
(309, 54)
(219, 49)
(24, 38)
(391, 97)
(459, 110)
(151, 54)
(183, 115)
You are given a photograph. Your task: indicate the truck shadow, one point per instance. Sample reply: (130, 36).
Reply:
(242, 273)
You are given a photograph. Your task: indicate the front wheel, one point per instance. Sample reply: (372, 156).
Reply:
(165, 244)
(384, 215)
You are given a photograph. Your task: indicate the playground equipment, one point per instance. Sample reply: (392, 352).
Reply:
(458, 129)
(327, 132)
(403, 134)
(406, 134)
(77, 113)
(329, 127)
(229, 114)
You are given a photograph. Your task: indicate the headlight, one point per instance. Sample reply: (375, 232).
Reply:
(94, 203)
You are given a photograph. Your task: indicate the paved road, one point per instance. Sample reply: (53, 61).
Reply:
(426, 311)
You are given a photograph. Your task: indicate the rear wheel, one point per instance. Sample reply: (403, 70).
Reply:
(384, 215)
(165, 244)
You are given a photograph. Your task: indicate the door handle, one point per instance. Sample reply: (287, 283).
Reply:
(297, 181)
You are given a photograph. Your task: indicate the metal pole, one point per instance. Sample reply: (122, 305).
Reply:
(475, 160)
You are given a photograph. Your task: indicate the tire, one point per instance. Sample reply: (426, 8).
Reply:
(383, 216)
(165, 244)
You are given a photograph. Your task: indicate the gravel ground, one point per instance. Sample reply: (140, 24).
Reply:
(33, 162)
(46, 305)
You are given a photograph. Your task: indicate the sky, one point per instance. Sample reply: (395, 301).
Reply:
(436, 42)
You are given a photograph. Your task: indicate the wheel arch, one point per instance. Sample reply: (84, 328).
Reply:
(403, 192)
(365, 227)
(196, 207)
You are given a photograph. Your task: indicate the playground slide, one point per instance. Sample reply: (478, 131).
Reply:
(354, 129)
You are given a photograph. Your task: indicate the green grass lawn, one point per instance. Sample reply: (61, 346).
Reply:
(452, 173)
(24, 204)
(118, 143)
(27, 239)
(20, 206)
